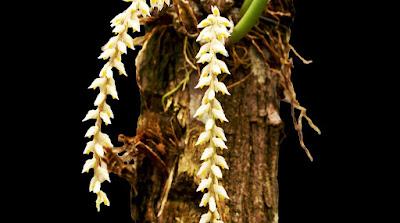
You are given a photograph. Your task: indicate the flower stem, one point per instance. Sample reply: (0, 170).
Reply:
(244, 7)
(249, 18)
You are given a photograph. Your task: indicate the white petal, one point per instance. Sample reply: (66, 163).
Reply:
(211, 204)
(92, 183)
(205, 58)
(219, 132)
(210, 124)
(122, 47)
(218, 47)
(205, 183)
(118, 29)
(215, 69)
(216, 171)
(104, 198)
(204, 168)
(204, 137)
(107, 109)
(104, 173)
(120, 66)
(104, 140)
(207, 153)
(203, 81)
(223, 66)
(215, 11)
(106, 54)
(224, 21)
(144, 9)
(91, 131)
(88, 165)
(217, 104)
(99, 99)
(219, 114)
(97, 82)
(211, 94)
(112, 91)
(205, 217)
(99, 150)
(204, 199)
(204, 23)
(220, 161)
(92, 114)
(105, 118)
(204, 108)
(96, 187)
(221, 191)
(219, 143)
(89, 147)
(203, 49)
(219, 86)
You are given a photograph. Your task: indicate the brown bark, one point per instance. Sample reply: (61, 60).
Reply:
(165, 160)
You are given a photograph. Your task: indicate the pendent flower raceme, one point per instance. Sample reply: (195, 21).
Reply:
(112, 51)
(213, 38)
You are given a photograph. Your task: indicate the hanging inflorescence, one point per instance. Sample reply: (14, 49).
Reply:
(213, 36)
(112, 51)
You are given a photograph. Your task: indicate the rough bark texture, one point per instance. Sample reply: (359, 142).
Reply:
(163, 176)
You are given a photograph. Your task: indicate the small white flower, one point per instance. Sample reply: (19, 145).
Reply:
(205, 58)
(202, 109)
(128, 40)
(210, 124)
(216, 171)
(224, 21)
(204, 137)
(220, 161)
(99, 150)
(106, 71)
(208, 152)
(203, 81)
(219, 132)
(220, 86)
(218, 47)
(88, 165)
(220, 190)
(89, 147)
(121, 47)
(104, 116)
(219, 114)
(203, 49)
(101, 198)
(211, 204)
(205, 183)
(103, 172)
(206, 217)
(215, 11)
(204, 168)
(107, 110)
(118, 29)
(144, 9)
(92, 114)
(106, 54)
(120, 66)
(95, 184)
(97, 82)
(204, 199)
(219, 143)
(104, 140)
(92, 131)
(99, 99)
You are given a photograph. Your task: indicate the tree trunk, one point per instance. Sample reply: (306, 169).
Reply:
(165, 160)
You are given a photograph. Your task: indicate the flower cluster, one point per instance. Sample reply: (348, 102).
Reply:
(213, 36)
(112, 51)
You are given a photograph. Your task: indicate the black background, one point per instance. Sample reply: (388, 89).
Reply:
(326, 190)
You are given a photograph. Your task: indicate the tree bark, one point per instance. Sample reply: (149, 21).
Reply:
(165, 160)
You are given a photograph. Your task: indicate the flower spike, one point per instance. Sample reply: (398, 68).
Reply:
(213, 38)
(112, 51)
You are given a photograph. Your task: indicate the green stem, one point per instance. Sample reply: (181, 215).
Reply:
(244, 7)
(248, 20)
(175, 89)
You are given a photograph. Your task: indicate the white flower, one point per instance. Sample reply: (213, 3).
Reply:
(202, 109)
(99, 150)
(216, 171)
(88, 165)
(99, 99)
(104, 116)
(219, 114)
(205, 183)
(107, 110)
(219, 132)
(220, 190)
(219, 86)
(220, 161)
(204, 199)
(204, 168)
(101, 198)
(89, 147)
(205, 58)
(204, 137)
(203, 81)
(211, 204)
(92, 114)
(205, 217)
(92, 131)
(95, 184)
(210, 124)
(219, 143)
(207, 153)
(97, 82)
(103, 173)
(106, 54)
